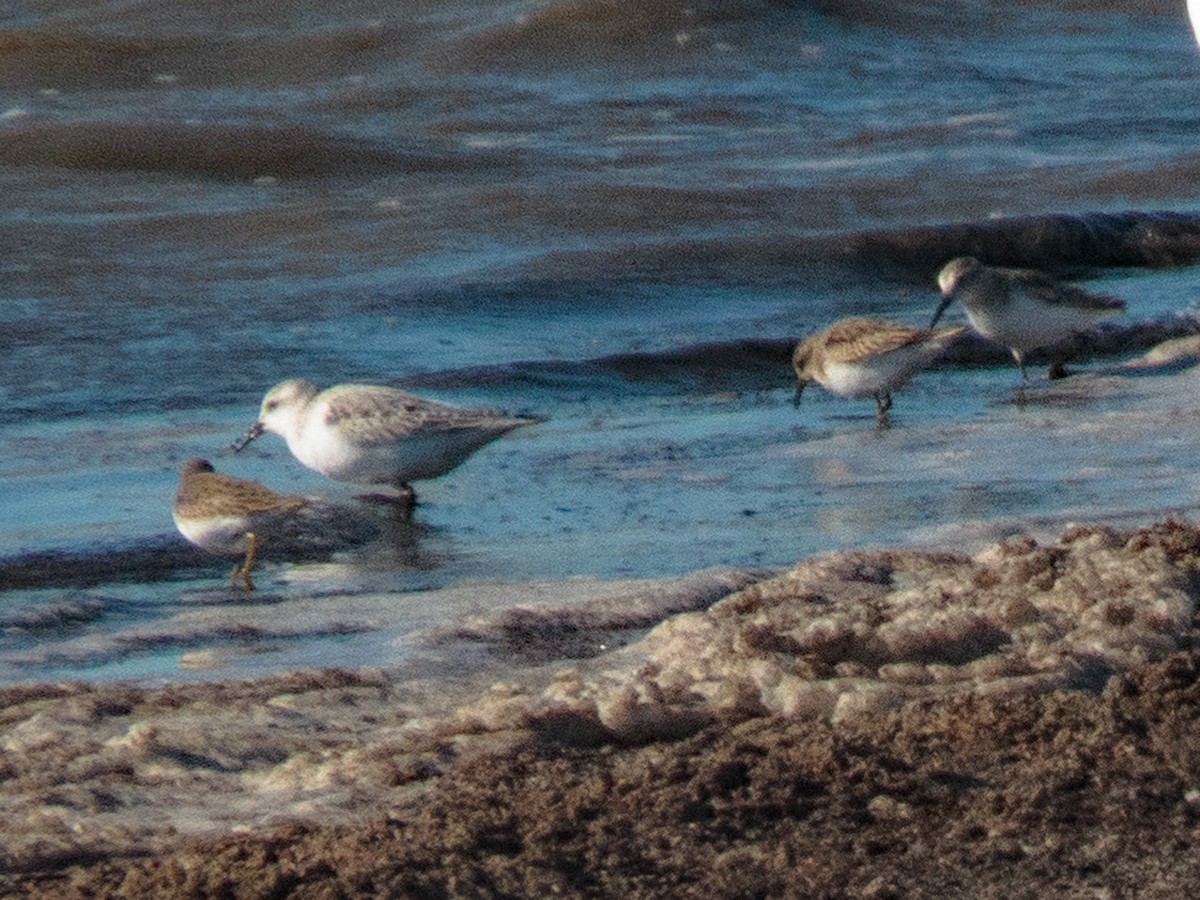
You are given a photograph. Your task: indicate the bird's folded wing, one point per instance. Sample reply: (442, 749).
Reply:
(223, 495)
(858, 341)
(1057, 293)
(382, 415)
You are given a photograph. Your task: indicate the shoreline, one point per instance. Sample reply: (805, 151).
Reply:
(866, 723)
(968, 799)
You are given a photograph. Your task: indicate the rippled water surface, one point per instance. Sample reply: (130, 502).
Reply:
(617, 215)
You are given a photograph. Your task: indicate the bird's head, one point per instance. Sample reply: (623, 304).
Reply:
(948, 279)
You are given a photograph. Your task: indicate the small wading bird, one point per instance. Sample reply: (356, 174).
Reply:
(860, 357)
(1020, 309)
(231, 516)
(367, 434)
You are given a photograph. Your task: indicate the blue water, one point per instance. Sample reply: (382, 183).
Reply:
(489, 205)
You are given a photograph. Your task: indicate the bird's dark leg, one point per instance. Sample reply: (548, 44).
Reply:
(883, 403)
(1020, 358)
(1058, 369)
(408, 499)
(400, 503)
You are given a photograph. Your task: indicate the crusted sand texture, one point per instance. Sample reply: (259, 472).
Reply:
(1031, 795)
(842, 649)
(853, 633)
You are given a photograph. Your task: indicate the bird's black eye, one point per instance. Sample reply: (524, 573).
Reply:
(271, 404)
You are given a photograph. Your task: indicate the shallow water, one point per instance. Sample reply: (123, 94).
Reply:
(615, 215)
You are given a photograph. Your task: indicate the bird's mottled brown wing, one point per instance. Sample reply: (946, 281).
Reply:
(382, 414)
(1057, 293)
(214, 494)
(850, 340)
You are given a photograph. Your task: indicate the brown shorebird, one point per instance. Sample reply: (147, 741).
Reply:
(231, 516)
(860, 357)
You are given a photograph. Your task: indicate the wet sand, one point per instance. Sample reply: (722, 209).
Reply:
(891, 723)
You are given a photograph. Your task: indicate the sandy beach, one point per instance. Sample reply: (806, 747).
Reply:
(817, 732)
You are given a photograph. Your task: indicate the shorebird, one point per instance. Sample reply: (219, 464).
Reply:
(860, 357)
(230, 516)
(367, 434)
(1021, 309)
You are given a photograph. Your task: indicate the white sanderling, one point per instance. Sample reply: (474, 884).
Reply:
(369, 434)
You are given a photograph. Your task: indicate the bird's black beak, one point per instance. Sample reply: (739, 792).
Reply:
(251, 433)
(800, 385)
(946, 301)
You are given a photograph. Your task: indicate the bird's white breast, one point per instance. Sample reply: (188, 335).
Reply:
(1026, 323)
(217, 534)
(860, 379)
(329, 449)
(880, 373)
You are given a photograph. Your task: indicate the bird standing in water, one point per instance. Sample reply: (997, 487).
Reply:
(231, 516)
(369, 434)
(861, 357)
(1019, 308)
